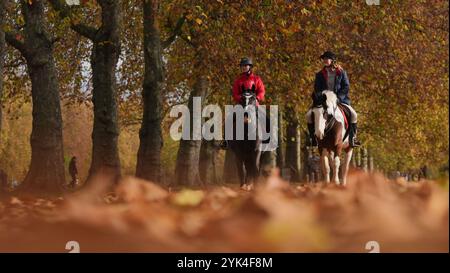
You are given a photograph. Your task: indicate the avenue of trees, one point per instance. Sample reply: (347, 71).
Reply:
(97, 80)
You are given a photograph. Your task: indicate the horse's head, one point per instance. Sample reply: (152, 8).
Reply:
(323, 112)
(329, 102)
(319, 121)
(248, 97)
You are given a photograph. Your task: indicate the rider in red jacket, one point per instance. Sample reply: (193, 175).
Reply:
(247, 79)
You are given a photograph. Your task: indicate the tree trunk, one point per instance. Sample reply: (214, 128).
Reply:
(364, 161)
(293, 146)
(280, 149)
(46, 171)
(104, 57)
(370, 161)
(150, 134)
(358, 160)
(2, 54)
(187, 172)
(353, 163)
(207, 164)
(305, 154)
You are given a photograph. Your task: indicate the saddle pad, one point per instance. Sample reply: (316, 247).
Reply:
(345, 113)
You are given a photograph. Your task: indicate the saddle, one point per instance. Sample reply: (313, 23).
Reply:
(346, 113)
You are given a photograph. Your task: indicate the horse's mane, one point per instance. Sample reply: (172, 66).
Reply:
(331, 96)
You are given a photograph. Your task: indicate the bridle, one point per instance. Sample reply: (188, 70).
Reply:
(330, 120)
(251, 98)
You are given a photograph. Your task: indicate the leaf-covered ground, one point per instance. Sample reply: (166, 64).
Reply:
(275, 217)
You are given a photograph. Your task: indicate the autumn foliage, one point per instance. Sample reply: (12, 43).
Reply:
(395, 54)
(120, 80)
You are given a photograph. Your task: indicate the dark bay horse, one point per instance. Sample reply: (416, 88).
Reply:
(332, 137)
(246, 149)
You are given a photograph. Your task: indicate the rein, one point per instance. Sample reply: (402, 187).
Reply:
(329, 124)
(330, 121)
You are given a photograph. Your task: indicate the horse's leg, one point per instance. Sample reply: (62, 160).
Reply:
(325, 166)
(248, 170)
(250, 166)
(331, 164)
(346, 165)
(255, 163)
(258, 162)
(336, 163)
(240, 169)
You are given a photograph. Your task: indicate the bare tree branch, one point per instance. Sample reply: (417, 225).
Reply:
(11, 39)
(84, 30)
(175, 33)
(64, 12)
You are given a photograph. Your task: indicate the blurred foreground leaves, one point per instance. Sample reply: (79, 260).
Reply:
(141, 216)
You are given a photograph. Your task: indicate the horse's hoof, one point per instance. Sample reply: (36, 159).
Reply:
(244, 187)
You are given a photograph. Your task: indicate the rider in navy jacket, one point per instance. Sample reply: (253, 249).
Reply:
(340, 85)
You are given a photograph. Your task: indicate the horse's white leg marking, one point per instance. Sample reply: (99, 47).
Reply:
(332, 162)
(325, 166)
(346, 166)
(337, 162)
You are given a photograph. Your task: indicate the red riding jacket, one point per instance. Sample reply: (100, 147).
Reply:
(247, 81)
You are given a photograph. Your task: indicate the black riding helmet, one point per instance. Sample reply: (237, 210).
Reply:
(328, 55)
(246, 61)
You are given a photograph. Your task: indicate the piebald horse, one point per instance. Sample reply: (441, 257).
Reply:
(332, 136)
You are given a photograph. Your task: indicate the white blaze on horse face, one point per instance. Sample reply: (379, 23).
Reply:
(330, 107)
(247, 102)
(330, 110)
(319, 122)
(331, 101)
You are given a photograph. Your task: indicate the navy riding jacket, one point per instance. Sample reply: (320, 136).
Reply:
(341, 86)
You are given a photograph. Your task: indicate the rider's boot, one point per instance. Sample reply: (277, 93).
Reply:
(352, 136)
(312, 136)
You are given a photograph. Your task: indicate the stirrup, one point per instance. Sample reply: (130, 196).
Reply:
(355, 143)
